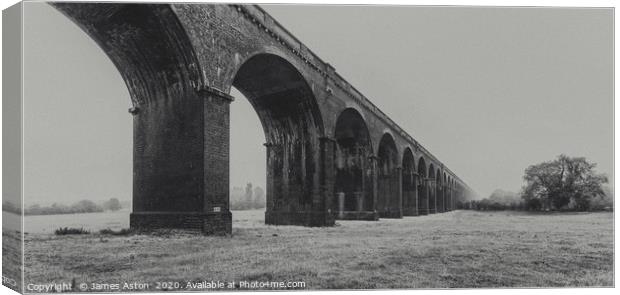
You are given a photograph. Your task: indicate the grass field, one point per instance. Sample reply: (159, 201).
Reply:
(11, 259)
(459, 249)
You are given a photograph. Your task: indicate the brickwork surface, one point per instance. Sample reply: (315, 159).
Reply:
(179, 61)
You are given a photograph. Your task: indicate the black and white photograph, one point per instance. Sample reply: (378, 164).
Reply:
(219, 146)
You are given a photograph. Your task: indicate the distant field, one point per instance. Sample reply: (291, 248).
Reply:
(47, 224)
(451, 250)
(92, 221)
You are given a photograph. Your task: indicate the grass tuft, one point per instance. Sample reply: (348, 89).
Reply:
(121, 232)
(71, 231)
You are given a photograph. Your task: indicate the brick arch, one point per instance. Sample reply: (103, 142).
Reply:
(381, 134)
(451, 183)
(439, 190)
(288, 111)
(154, 56)
(354, 183)
(409, 183)
(179, 62)
(146, 43)
(281, 96)
(445, 195)
(432, 192)
(388, 203)
(423, 187)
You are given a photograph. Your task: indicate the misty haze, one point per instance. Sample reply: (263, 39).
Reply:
(397, 147)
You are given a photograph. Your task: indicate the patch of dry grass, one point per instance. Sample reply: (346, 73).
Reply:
(11, 258)
(451, 250)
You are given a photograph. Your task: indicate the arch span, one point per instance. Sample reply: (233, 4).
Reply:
(354, 184)
(181, 125)
(389, 196)
(432, 191)
(180, 60)
(409, 186)
(440, 190)
(292, 123)
(149, 47)
(450, 192)
(423, 188)
(445, 192)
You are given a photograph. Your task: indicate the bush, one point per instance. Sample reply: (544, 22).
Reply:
(601, 203)
(122, 232)
(248, 198)
(112, 204)
(86, 206)
(83, 206)
(10, 207)
(489, 205)
(71, 231)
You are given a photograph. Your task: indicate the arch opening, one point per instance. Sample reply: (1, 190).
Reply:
(388, 184)
(440, 190)
(181, 126)
(445, 192)
(79, 146)
(353, 186)
(288, 112)
(153, 55)
(409, 186)
(451, 193)
(423, 191)
(248, 171)
(432, 199)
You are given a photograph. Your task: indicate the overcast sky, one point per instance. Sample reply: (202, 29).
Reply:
(488, 91)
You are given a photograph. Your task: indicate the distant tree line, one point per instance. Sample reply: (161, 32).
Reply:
(8, 206)
(83, 206)
(248, 198)
(564, 184)
(498, 200)
(240, 199)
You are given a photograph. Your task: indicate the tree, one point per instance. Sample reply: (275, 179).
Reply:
(85, 206)
(8, 206)
(555, 184)
(259, 198)
(248, 193)
(503, 197)
(112, 204)
(603, 202)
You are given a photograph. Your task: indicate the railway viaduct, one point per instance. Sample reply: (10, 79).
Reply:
(331, 153)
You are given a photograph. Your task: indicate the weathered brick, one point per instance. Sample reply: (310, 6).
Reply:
(180, 60)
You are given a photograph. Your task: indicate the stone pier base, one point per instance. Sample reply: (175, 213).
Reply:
(358, 215)
(410, 212)
(303, 218)
(391, 214)
(212, 223)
